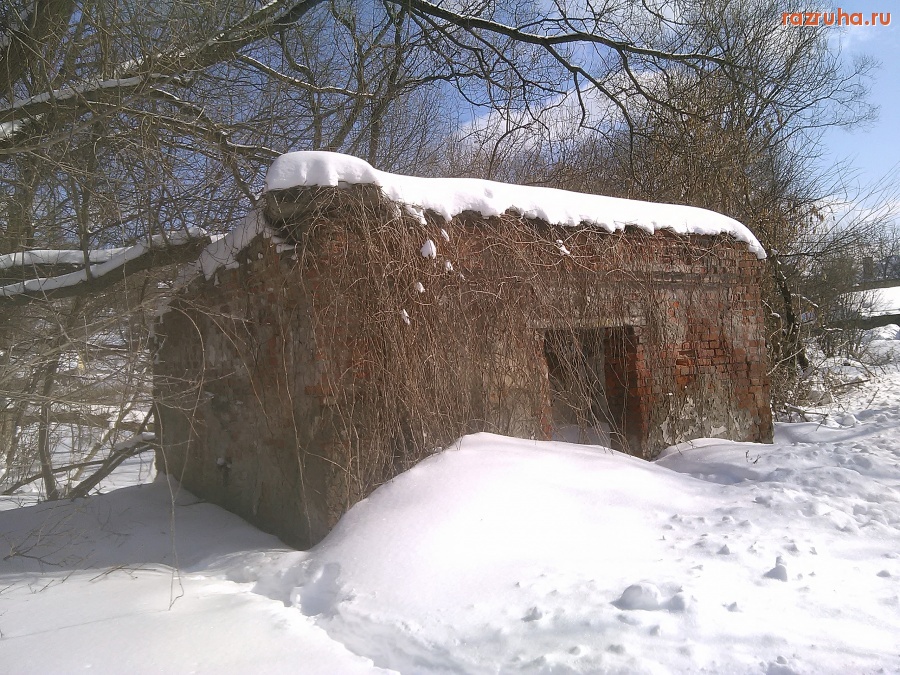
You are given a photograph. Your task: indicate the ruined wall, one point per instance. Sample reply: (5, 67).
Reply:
(240, 403)
(292, 386)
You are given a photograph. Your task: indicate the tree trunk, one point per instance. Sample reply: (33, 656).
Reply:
(44, 450)
(792, 349)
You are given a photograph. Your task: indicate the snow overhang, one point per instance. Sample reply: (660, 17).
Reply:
(450, 197)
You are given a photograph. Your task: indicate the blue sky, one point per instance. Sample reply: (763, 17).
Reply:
(874, 151)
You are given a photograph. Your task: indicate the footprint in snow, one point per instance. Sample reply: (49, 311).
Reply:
(848, 420)
(639, 596)
(779, 571)
(647, 597)
(533, 614)
(780, 666)
(677, 603)
(322, 592)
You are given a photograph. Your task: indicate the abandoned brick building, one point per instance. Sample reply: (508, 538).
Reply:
(359, 321)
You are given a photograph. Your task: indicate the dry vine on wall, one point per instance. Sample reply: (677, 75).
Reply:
(376, 338)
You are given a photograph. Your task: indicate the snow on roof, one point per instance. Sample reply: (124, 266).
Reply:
(450, 197)
(876, 302)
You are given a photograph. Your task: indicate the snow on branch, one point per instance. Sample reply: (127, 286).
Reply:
(54, 257)
(12, 118)
(113, 265)
(137, 76)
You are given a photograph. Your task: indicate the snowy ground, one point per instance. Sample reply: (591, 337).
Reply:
(496, 556)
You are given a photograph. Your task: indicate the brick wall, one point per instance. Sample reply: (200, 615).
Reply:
(292, 386)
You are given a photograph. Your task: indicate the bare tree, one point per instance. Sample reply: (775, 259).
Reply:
(741, 135)
(113, 137)
(124, 125)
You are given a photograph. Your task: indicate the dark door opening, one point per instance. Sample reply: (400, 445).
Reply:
(591, 378)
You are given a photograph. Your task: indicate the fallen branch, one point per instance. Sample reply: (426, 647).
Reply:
(111, 463)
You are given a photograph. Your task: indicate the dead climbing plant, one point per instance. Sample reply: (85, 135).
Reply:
(378, 335)
(428, 330)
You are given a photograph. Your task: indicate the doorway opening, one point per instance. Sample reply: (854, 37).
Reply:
(591, 381)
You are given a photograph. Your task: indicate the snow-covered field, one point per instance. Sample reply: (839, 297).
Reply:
(495, 556)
